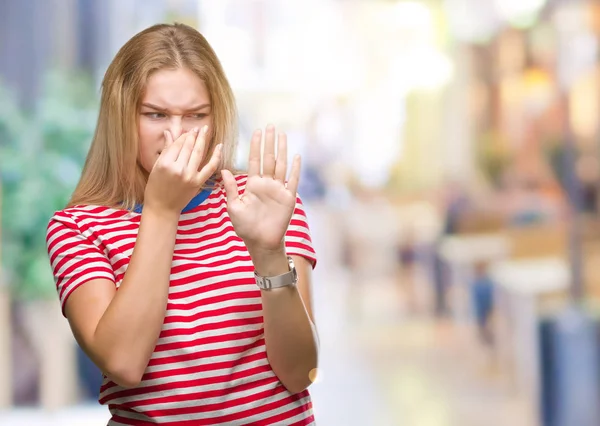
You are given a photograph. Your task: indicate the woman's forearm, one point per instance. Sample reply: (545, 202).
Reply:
(290, 335)
(127, 333)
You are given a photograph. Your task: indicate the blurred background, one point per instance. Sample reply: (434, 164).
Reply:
(451, 176)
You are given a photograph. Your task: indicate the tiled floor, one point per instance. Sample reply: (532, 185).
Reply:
(411, 372)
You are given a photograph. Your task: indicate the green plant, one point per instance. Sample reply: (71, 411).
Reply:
(41, 155)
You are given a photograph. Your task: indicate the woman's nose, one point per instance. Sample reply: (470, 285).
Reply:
(176, 127)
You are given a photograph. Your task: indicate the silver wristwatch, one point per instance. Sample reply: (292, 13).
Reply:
(283, 280)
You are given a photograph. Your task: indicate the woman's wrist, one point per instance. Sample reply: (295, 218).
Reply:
(269, 262)
(162, 214)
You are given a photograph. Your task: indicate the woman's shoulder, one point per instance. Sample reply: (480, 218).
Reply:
(74, 214)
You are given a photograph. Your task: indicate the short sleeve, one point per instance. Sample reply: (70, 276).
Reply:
(74, 259)
(297, 238)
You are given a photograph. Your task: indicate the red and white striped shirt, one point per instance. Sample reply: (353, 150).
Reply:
(210, 365)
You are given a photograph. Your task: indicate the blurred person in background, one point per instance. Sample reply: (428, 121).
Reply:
(407, 259)
(482, 298)
(212, 321)
(455, 204)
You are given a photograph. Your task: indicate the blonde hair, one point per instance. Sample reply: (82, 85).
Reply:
(112, 175)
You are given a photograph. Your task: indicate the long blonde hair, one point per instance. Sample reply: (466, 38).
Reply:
(112, 175)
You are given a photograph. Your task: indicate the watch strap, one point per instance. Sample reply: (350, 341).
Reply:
(284, 280)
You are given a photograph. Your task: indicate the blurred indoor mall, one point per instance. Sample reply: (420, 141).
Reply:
(451, 174)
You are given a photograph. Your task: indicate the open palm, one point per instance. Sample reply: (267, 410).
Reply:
(261, 215)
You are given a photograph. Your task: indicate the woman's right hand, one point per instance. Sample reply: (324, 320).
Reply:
(175, 178)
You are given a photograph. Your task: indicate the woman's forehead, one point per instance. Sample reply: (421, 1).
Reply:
(179, 88)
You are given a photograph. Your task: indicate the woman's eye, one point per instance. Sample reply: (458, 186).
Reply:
(154, 115)
(197, 116)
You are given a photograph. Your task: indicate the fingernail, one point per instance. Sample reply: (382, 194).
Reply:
(195, 130)
(205, 128)
(220, 147)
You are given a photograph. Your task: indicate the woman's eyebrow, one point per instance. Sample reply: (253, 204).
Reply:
(149, 105)
(158, 108)
(199, 107)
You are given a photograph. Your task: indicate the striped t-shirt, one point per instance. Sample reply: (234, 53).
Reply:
(209, 366)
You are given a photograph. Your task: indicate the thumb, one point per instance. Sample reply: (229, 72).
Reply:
(231, 188)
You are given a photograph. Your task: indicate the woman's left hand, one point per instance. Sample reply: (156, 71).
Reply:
(261, 215)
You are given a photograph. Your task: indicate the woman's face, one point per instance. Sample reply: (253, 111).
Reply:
(175, 101)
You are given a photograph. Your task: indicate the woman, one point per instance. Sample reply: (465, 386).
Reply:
(212, 321)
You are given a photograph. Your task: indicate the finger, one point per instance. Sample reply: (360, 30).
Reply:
(198, 151)
(269, 152)
(254, 158)
(211, 167)
(188, 147)
(168, 139)
(171, 149)
(230, 184)
(292, 184)
(281, 164)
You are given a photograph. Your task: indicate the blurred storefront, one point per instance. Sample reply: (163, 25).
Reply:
(533, 116)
